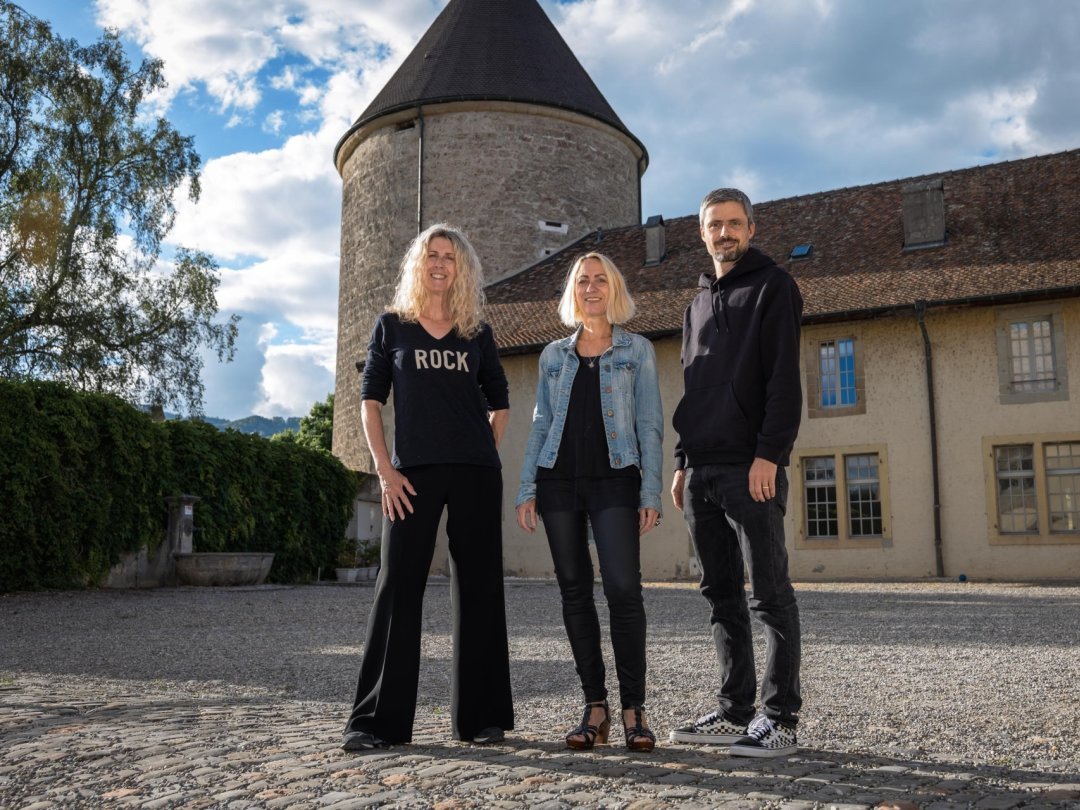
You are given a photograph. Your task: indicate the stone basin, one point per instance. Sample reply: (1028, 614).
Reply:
(223, 568)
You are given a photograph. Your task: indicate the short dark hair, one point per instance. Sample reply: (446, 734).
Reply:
(719, 195)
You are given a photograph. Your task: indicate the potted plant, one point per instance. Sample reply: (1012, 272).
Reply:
(358, 562)
(367, 557)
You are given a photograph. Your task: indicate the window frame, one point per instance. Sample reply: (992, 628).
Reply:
(1043, 536)
(1007, 394)
(814, 387)
(844, 538)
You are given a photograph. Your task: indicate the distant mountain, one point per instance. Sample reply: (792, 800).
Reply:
(263, 425)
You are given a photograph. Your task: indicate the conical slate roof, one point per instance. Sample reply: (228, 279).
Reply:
(493, 50)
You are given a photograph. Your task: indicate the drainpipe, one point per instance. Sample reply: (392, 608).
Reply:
(640, 172)
(920, 313)
(420, 171)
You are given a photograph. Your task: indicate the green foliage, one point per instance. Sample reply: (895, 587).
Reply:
(316, 430)
(83, 479)
(87, 190)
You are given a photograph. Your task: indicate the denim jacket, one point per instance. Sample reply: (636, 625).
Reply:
(630, 397)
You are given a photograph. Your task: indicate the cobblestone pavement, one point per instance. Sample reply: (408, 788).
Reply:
(236, 698)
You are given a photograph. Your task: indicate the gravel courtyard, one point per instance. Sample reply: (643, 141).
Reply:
(929, 694)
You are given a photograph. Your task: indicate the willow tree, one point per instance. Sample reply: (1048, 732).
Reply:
(88, 183)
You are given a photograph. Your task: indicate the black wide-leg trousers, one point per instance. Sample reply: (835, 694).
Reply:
(389, 672)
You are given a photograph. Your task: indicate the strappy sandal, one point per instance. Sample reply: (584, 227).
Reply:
(585, 736)
(638, 738)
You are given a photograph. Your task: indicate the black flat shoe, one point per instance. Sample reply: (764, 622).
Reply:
(491, 734)
(362, 741)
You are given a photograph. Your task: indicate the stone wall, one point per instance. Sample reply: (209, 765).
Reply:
(495, 169)
(499, 174)
(378, 218)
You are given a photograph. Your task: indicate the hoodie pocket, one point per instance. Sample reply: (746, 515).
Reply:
(711, 417)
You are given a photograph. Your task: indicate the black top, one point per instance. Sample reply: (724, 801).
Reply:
(583, 449)
(496, 50)
(443, 390)
(740, 355)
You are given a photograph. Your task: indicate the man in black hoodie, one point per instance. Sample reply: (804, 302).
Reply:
(737, 422)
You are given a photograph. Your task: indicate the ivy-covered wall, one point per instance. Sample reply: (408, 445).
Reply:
(83, 478)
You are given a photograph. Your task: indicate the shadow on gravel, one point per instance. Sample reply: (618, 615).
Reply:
(185, 734)
(811, 775)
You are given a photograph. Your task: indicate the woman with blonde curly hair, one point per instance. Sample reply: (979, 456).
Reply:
(451, 407)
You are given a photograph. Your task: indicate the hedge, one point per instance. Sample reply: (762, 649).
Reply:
(83, 481)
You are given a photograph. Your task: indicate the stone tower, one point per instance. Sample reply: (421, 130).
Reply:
(490, 124)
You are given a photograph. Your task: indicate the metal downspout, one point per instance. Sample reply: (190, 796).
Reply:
(420, 171)
(640, 172)
(920, 313)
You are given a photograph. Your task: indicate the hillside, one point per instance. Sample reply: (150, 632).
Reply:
(263, 425)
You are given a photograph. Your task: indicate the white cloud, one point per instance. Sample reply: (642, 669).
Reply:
(714, 30)
(811, 96)
(258, 203)
(295, 377)
(267, 333)
(298, 286)
(223, 45)
(274, 122)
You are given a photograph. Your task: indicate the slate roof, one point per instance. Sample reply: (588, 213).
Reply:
(1012, 234)
(492, 50)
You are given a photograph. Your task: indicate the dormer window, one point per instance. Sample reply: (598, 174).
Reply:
(924, 215)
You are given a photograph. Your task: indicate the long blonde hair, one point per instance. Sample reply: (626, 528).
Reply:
(465, 298)
(620, 306)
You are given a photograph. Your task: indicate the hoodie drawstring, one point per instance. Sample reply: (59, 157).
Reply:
(721, 314)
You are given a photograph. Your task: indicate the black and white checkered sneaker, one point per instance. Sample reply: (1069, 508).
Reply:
(765, 738)
(710, 728)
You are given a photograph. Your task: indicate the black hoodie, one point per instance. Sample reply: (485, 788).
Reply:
(740, 358)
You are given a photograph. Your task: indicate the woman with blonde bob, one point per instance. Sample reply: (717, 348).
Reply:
(593, 457)
(450, 402)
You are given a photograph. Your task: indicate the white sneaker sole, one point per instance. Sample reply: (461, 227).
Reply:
(758, 751)
(708, 739)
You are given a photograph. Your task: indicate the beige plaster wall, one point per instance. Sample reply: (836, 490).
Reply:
(969, 412)
(896, 420)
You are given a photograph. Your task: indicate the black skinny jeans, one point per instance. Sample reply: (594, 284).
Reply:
(610, 505)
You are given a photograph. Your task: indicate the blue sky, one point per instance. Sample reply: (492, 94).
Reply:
(779, 97)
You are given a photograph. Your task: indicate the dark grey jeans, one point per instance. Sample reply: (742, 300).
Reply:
(731, 531)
